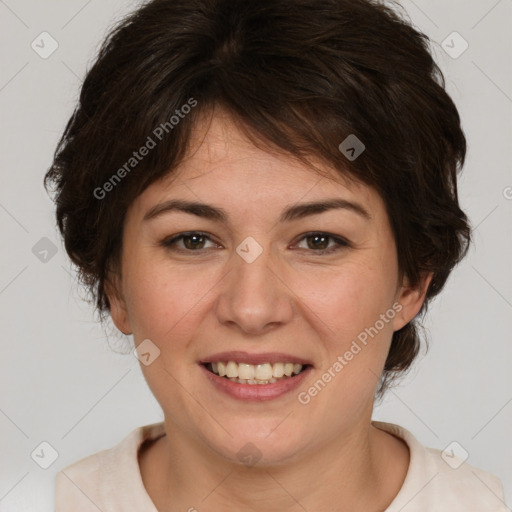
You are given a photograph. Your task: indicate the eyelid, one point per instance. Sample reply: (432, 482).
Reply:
(170, 241)
(340, 241)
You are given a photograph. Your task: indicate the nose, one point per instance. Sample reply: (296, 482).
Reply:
(254, 296)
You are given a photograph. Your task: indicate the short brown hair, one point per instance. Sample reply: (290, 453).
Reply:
(299, 75)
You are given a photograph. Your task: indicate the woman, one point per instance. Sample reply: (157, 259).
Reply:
(264, 194)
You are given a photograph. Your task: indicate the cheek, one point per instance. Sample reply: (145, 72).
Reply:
(350, 299)
(354, 315)
(161, 300)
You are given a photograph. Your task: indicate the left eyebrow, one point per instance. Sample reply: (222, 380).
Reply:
(219, 214)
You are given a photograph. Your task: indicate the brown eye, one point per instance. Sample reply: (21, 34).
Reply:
(191, 242)
(319, 242)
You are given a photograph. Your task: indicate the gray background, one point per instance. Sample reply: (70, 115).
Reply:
(64, 381)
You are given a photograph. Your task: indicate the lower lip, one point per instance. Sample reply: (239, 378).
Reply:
(255, 392)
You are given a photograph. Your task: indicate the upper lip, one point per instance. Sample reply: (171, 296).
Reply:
(247, 358)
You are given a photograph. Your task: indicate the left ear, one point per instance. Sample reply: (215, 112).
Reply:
(411, 299)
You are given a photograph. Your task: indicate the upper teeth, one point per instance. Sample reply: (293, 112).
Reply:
(264, 371)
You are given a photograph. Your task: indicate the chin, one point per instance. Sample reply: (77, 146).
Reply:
(259, 442)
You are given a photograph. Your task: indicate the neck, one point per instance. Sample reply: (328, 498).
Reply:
(361, 470)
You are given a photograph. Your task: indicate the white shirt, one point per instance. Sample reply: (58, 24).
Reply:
(110, 480)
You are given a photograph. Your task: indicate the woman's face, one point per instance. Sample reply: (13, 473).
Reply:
(253, 281)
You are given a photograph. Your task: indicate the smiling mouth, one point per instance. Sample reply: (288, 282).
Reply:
(254, 374)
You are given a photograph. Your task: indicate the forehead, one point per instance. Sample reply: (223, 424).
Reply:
(223, 165)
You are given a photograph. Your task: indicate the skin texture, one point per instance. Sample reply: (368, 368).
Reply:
(290, 299)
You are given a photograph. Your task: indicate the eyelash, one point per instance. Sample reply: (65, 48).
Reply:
(341, 243)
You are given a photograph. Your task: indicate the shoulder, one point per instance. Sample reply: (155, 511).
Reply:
(442, 481)
(109, 479)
